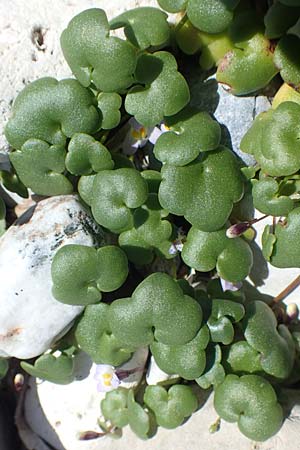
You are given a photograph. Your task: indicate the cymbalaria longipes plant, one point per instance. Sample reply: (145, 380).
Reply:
(175, 205)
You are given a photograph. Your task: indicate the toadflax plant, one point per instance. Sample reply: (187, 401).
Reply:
(175, 204)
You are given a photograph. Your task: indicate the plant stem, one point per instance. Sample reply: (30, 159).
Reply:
(283, 294)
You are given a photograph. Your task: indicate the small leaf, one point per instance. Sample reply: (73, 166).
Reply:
(54, 369)
(171, 407)
(267, 200)
(79, 273)
(51, 111)
(219, 323)
(191, 132)
(94, 336)
(96, 57)
(86, 155)
(163, 91)
(205, 251)
(144, 26)
(116, 193)
(40, 167)
(285, 244)
(251, 402)
(114, 407)
(212, 16)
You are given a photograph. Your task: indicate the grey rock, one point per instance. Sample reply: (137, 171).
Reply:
(31, 319)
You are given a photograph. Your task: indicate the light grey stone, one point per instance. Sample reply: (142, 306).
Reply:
(31, 319)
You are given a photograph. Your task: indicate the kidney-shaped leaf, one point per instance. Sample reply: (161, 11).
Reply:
(79, 273)
(86, 155)
(158, 309)
(267, 199)
(151, 233)
(205, 251)
(203, 191)
(162, 91)
(251, 402)
(283, 245)
(219, 323)
(116, 193)
(144, 27)
(52, 110)
(188, 360)
(96, 57)
(40, 166)
(54, 369)
(275, 345)
(212, 16)
(171, 407)
(94, 336)
(273, 140)
(191, 132)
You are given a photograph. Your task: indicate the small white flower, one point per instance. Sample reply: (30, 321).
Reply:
(106, 377)
(138, 136)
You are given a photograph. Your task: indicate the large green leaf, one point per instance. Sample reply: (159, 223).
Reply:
(96, 57)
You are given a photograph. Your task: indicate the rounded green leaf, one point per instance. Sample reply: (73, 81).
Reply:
(151, 233)
(96, 57)
(251, 402)
(203, 191)
(52, 111)
(162, 90)
(240, 357)
(191, 132)
(115, 194)
(285, 250)
(249, 66)
(157, 310)
(54, 369)
(171, 407)
(94, 336)
(274, 141)
(114, 407)
(205, 251)
(267, 199)
(187, 361)
(109, 104)
(40, 167)
(212, 16)
(223, 313)
(144, 26)
(275, 345)
(79, 272)
(86, 155)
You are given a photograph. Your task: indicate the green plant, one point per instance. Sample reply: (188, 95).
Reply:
(180, 203)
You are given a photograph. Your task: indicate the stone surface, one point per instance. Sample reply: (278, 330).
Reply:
(31, 319)
(58, 414)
